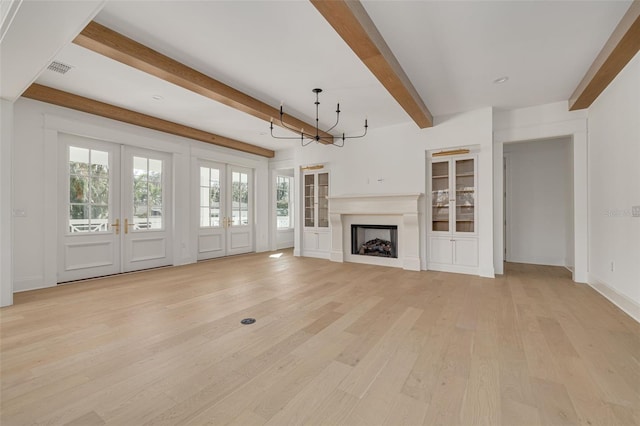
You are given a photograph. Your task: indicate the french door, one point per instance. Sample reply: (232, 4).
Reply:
(114, 209)
(225, 210)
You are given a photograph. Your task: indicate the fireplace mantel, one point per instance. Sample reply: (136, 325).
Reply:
(401, 209)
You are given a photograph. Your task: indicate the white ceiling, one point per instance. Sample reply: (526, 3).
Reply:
(279, 50)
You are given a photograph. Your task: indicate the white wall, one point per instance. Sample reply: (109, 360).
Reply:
(539, 201)
(392, 160)
(6, 231)
(36, 126)
(614, 187)
(545, 122)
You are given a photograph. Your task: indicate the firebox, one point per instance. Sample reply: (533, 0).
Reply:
(375, 240)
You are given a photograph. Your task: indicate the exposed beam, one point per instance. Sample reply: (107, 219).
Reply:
(116, 46)
(353, 24)
(621, 47)
(69, 100)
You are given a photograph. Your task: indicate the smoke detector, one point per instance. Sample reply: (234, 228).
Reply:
(59, 67)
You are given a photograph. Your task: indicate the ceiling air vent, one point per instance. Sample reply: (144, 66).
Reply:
(59, 67)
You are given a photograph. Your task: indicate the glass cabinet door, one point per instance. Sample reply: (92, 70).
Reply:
(440, 196)
(309, 200)
(465, 195)
(323, 202)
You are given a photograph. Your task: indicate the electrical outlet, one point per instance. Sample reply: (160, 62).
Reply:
(635, 211)
(19, 213)
(612, 266)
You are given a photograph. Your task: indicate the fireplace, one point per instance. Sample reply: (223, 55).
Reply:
(375, 240)
(397, 215)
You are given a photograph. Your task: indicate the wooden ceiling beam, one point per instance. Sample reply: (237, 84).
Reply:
(621, 47)
(353, 24)
(102, 40)
(68, 100)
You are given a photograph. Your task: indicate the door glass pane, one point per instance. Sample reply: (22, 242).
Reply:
(214, 197)
(209, 197)
(309, 200)
(440, 196)
(323, 202)
(465, 196)
(147, 194)
(240, 198)
(88, 190)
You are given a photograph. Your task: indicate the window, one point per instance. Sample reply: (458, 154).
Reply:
(284, 204)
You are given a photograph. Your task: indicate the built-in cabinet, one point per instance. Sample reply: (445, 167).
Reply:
(315, 222)
(452, 239)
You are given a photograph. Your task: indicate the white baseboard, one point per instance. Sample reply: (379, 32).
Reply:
(316, 254)
(630, 307)
(487, 272)
(336, 256)
(537, 261)
(411, 263)
(443, 267)
(35, 282)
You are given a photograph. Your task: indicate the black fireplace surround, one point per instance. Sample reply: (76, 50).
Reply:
(381, 241)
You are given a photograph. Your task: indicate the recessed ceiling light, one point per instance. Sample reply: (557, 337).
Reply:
(501, 80)
(157, 97)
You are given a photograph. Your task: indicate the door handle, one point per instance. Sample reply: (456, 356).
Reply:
(117, 226)
(127, 225)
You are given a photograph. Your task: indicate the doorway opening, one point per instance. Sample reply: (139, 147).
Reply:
(538, 202)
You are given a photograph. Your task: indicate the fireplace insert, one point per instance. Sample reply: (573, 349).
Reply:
(375, 240)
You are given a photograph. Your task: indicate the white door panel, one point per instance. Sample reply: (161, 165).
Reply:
(89, 203)
(212, 191)
(146, 209)
(239, 210)
(210, 243)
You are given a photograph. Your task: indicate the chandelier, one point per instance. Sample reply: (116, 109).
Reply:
(307, 138)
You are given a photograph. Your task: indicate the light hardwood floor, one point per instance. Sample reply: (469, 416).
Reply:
(340, 344)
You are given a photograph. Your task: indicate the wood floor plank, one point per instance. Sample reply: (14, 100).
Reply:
(554, 403)
(333, 344)
(297, 410)
(375, 404)
(406, 411)
(363, 374)
(481, 403)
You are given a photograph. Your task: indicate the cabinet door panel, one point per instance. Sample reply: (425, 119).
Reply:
(440, 250)
(324, 241)
(310, 241)
(465, 252)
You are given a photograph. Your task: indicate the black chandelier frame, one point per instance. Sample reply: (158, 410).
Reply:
(328, 140)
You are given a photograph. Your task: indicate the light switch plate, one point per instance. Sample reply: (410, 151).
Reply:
(635, 211)
(19, 213)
